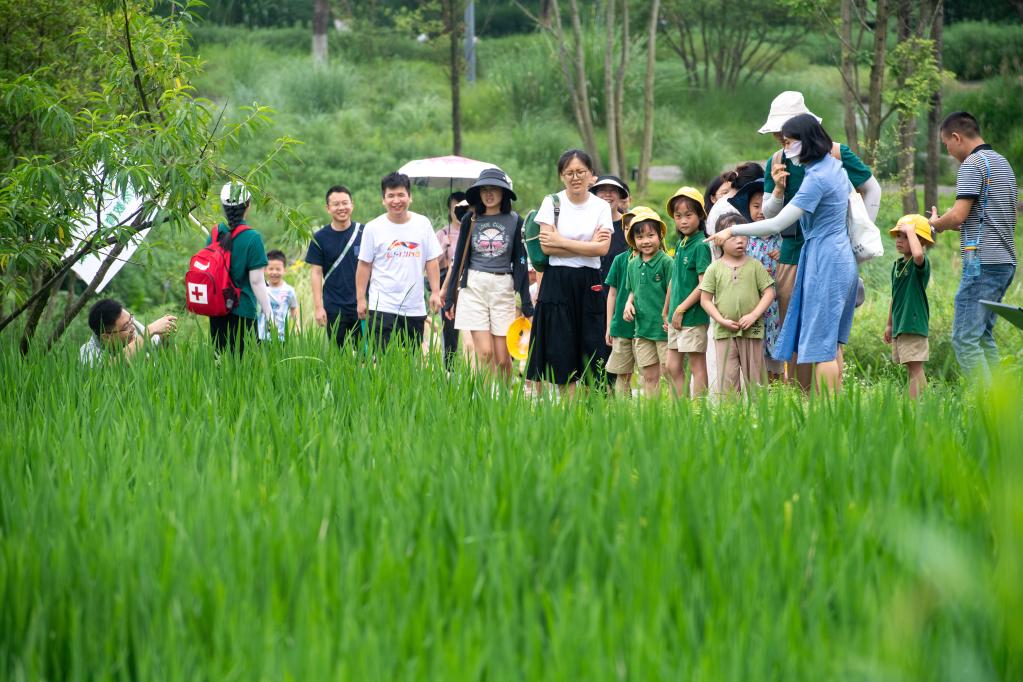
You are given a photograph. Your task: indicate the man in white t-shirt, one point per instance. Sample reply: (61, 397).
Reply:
(396, 248)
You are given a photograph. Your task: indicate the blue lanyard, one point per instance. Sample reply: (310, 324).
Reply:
(985, 190)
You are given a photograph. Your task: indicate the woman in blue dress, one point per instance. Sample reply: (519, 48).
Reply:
(820, 314)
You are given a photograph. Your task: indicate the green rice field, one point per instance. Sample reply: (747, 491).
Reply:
(299, 515)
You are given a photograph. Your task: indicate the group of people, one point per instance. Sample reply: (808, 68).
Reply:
(763, 283)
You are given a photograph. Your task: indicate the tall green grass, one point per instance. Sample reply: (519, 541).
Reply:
(300, 515)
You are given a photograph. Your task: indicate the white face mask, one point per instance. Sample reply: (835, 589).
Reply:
(793, 151)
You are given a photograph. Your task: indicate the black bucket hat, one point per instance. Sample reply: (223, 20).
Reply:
(611, 181)
(490, 177)
(741, 199)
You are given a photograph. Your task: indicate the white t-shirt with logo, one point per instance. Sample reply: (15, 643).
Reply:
(399, 254)
(579, 222)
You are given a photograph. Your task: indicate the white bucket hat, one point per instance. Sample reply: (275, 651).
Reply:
(786, 105)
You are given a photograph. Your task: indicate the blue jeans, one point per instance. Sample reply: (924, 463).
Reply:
(972, 325)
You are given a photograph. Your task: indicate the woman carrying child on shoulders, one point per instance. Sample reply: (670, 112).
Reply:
(489, 267)
(567, 341)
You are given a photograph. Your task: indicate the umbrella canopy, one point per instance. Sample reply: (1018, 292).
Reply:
(444, 171)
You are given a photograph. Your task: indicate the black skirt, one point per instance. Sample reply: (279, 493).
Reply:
(567, 340)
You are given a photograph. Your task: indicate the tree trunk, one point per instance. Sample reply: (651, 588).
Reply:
(610, 99)
(321, 22)
(456, 79)
(848, 66)
(623, 63)
(35, 313)
(583, 88)
(648, 98)
(873, 133)
(906, 120)
(73, 311)
(932, 167)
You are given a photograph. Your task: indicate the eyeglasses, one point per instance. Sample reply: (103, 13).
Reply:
(127, 328)
(575, 174)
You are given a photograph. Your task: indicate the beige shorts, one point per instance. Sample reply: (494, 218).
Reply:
(622, 360)
(784, 283)
(486, 304)
(688, 339)
(649, 352)
(740, 362)
(910, 348)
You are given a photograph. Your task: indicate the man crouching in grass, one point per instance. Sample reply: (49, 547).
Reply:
(117, 334)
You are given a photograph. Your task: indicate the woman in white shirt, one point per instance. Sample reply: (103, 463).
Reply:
(567, 340)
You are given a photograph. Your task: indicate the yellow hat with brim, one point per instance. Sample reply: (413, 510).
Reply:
(517, 338)
(637, 215)
(920, 226)
(689, 193)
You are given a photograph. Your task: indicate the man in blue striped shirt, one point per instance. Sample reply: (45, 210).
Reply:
(984, 213)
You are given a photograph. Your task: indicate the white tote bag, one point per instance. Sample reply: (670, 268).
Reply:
(863, 233)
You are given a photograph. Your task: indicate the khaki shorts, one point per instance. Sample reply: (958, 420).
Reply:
(784, 283)
(910, 348)
(622, 360)
(688, 339)
(740, 363)
(649, 352)
(486, 304)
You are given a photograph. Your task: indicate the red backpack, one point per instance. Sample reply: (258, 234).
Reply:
(209, 290)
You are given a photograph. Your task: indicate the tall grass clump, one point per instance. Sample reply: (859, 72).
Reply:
(300, 514)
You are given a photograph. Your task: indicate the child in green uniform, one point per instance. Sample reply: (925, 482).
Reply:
(909, 314)
(736, 291)
(648, 276)
(619, 331)
(686, 319)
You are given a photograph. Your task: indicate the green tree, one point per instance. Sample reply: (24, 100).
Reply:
(122, 118)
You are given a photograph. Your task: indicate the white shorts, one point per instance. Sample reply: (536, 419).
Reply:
(486, 304)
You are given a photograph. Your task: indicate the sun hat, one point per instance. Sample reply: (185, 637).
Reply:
(690, 193)
(786, 105)
(234, 193)
(490, 177)
(920, 226)
(740, 200)
(638, 215)
(611, 181)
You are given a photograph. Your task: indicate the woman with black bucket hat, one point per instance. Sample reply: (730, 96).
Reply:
(489, 267)
(567, 342)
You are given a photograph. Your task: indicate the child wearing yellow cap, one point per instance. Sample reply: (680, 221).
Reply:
(648, 276)
(909, 313)
(685, 318)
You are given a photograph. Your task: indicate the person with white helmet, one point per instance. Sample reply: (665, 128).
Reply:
(248, 259)
(781, 184)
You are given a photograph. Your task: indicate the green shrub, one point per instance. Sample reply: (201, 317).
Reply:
(976, 50)
(310, 90)
(998, 106)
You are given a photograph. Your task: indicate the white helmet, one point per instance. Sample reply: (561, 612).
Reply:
(234, 194)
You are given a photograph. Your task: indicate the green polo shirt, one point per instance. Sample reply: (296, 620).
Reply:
(737, 292)
(649, 283)
(617, 278)
(910, 312)
(692, 258)
(857, 171)
(247, 253)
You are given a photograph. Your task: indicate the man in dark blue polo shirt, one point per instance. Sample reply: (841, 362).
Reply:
(333, 256)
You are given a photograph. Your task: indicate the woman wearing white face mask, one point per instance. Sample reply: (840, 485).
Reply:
(781, 184)
(820, 311)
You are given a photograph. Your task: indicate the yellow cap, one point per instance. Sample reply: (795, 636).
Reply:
(517, 338)
(919, 224)
(638, 214)
(690, 193)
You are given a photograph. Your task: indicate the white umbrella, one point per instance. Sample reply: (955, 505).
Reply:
(444, 171)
